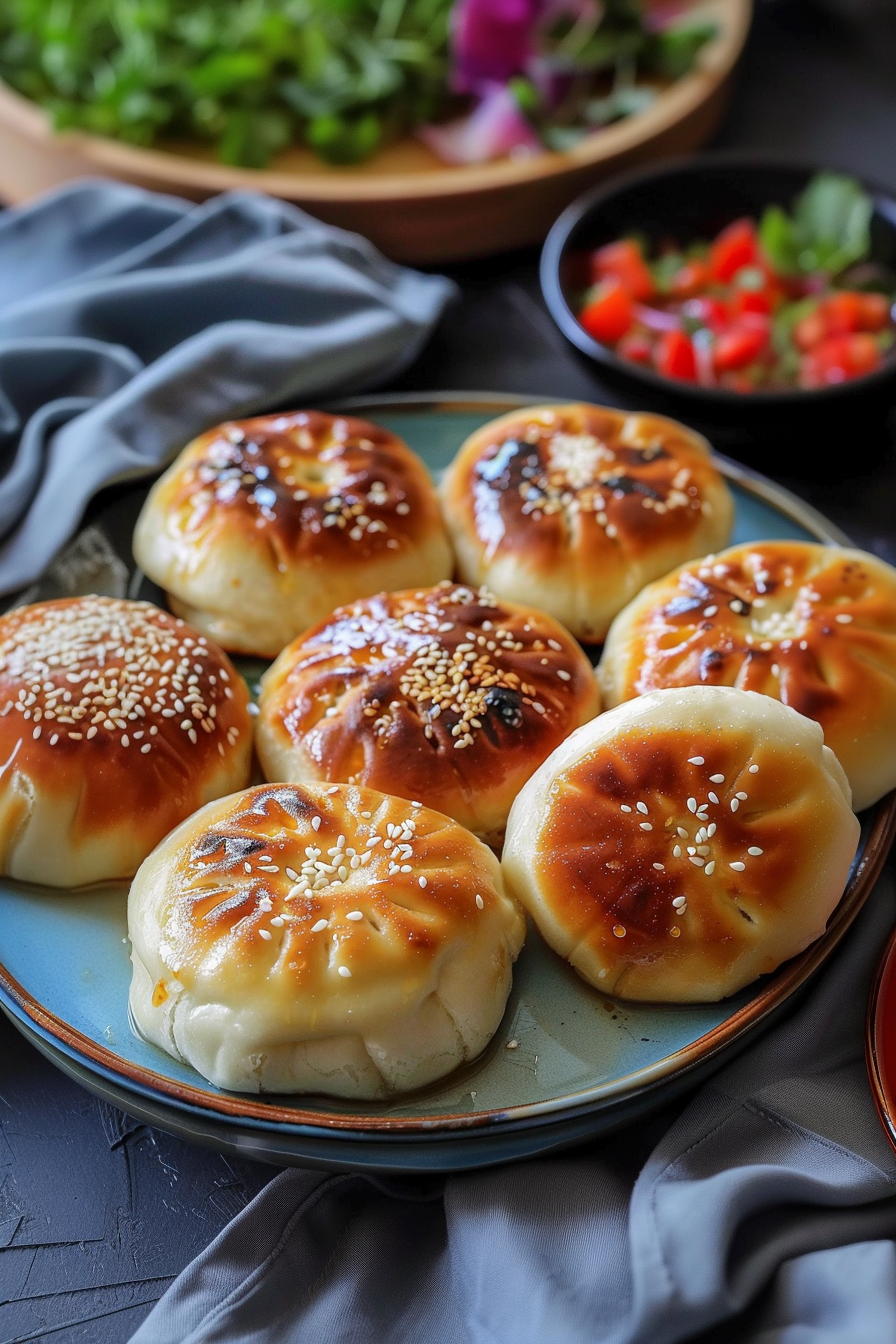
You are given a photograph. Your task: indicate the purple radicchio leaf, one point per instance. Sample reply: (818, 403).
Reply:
(491, 41)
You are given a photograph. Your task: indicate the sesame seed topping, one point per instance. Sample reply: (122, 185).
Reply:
(735, 804)
(320, 926)
(741, 795)
(624, 807)
(679, 902)
(480, 902)
(645, 826)
(696, 760)
(755, 851)
(642, 808)
(315, 823)
(692, 804)
(710, 868)
(354, 915)
(717, 779)
(344, 972)
(843, 618)
(618, 931)
(754, 769)
(421, 881)
(265, 934)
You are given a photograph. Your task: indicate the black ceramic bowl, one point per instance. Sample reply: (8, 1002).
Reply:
(685, 201)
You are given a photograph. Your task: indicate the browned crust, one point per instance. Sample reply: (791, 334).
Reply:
(598, 861)
(120, 705)
(627, 491)
(307, 485)
(683, 844)
(305, 878)
(443, 694)
(812, 625)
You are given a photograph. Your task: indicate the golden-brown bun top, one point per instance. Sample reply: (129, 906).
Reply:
(812, 625)
(686, 839)
(128, 701)
(448, 694)
(323, 896)
(628, 480)
(310, 483)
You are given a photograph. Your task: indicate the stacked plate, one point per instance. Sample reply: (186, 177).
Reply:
(566, 1063)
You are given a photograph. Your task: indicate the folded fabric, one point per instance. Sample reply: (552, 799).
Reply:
(769, 1204)
(131, 321)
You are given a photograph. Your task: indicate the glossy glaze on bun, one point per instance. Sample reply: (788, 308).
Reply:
(684, 843)
(446, 694)
(812, 625)
(573, 508)
(261, 527)
(116, 722)
(321, 939)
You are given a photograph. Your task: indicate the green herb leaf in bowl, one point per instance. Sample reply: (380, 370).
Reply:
(828, 230)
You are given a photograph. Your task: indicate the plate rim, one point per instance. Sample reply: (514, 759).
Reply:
(19, 1004)
(883, 1095)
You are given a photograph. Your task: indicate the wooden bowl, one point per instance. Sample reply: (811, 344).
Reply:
(410, 205)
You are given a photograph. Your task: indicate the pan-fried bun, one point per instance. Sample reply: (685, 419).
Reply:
(574, 508)
(116, 722)
(683, 843)
(321, 939)
(812, 625)
(443, 694)
(261, 527)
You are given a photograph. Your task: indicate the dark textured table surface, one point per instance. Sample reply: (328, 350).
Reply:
(98, 1212)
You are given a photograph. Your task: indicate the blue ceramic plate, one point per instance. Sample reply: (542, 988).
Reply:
(584, 1063)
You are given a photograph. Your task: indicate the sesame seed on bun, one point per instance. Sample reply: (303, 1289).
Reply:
(261, 527)
(117, 720)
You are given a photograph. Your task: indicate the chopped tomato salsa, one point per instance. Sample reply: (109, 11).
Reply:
(719, 314)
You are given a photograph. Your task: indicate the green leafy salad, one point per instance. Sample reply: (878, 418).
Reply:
(477, 79)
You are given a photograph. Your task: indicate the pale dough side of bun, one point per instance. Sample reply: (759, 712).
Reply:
(311, 939)
(573, 508)
(260, 527)
(812, 625)
(684, 843)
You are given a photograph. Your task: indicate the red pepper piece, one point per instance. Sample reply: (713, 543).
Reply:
(689, 280)
(735, 247)
(609, 314)
(636, 347)
(839, 358)
(674, 356)
(623, 261)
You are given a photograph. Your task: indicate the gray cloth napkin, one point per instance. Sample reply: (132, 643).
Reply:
(131, 321)
(767, 1209)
